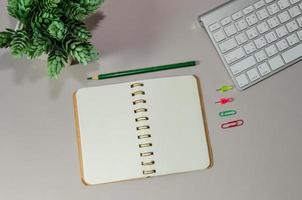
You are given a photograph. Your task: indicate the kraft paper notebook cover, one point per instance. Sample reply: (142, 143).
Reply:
(140, 129)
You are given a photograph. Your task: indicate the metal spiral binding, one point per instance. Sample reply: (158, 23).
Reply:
(144, 136)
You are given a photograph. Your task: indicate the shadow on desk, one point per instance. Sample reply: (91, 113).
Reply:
(32, 71)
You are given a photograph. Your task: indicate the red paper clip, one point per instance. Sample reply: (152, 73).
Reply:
(225, 101)
(232, 124)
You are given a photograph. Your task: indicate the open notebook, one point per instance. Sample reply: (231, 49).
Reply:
(140, 129)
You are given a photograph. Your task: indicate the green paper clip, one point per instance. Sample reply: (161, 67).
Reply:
(227, 113)
(225, 88)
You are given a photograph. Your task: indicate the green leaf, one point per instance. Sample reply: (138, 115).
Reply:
(38, 46)
(19, 43)
(57, 30)
(90, 5)
(80, 31)
(20, 9)
(6, 37)
(74, 11)
(56, 62)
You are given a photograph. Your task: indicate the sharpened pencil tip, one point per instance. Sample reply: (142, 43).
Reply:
(197, 62)
(89, 78)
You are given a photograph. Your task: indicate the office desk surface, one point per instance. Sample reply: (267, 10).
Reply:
(261, 160)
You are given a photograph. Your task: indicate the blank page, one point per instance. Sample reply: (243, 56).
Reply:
(108, 144)
(177, 125)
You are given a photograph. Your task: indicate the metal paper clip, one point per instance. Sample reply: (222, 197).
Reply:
(232, 124)
(227, 113)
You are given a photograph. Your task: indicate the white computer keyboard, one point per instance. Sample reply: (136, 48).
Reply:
(256, 39)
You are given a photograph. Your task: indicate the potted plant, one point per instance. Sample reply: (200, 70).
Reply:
(51, 27)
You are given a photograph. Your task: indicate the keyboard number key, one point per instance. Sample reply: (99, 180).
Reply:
(262, 14)
(264, 69)
(241, 25)
(219, 36)
(230, 30)
(242, 80)
(253, 74)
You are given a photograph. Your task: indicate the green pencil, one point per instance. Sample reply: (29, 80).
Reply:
(144, 70)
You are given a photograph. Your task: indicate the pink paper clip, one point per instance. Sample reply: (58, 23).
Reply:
(232, 124)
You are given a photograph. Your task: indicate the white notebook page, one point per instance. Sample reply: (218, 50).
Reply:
(176, 124)
(107, 134)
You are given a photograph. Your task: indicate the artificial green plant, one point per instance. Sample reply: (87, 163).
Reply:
(52, 27)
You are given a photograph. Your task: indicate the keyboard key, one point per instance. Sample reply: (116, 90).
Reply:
(234, 55)
(230, 30)
(292, 54)
(294, 11)
(294, 1)
(283, 4)
(262, 14)
(259, 4)
(292, 39)
(219, 36)
(252, 33)
(248, 10)
(241, 38)
(268, 1)
(263, 27)
(226, 21)
(252, 19)
(284, 17)
(242, 80)
(271, 37)
(276, 62)
(250, 48)
(260, 56)
(228, 45)
(241, 25)
(237, 15)
(282, 45)
(300, 34)
(281, 31)
(273, 22)
(264, 69)
(253, 74)
(260, 42)
(214, 27)
(299, 20)
(292, 26)
(273, 9)
(243, 65)
(271, 50)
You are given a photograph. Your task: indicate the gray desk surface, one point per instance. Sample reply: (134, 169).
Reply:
(261, 160)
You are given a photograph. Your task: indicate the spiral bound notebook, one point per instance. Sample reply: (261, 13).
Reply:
(140, 129)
